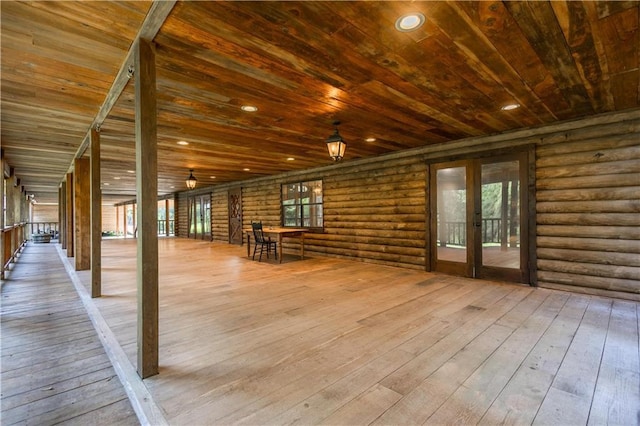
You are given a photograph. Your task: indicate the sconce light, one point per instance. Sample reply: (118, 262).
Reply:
(191, 180)
(335, 144)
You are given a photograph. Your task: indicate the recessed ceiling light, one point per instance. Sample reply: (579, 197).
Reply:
(172, 187)
(290, 159)
(370, 139)
(212, 177)
(510, 107)
(410, 22)
(131, 171)
(246, 170)
(116, 178)
(249, 108)
(182, 143)
(106, 184)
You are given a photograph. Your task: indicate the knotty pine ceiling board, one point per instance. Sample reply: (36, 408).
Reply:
(303, 64)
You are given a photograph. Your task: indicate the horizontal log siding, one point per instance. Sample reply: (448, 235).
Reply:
(588, 226)
(220, 216)
(375, 213)
(587, 221)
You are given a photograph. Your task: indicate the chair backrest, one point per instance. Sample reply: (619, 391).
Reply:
(257, 232)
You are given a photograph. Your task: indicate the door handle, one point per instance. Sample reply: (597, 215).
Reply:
(477, 221)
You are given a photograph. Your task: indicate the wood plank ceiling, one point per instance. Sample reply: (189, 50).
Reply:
(304, 65)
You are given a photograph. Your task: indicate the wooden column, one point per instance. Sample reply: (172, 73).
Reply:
(96, 215)
(69, 204)
(2, 242)
(147, 200)
(63, 215)
(117, 220)
(82, 213)
(124, 219)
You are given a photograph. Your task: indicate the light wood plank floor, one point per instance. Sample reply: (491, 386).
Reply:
(54, 368)
(328, 341)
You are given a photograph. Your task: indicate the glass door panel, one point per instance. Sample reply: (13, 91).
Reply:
(452, 214)
(500, 214)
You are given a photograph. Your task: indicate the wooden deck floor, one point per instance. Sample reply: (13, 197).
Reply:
(327, 341)
(54, 368)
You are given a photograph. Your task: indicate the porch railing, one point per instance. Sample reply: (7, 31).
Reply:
(455, 233)
(162, 227)
(13, 239)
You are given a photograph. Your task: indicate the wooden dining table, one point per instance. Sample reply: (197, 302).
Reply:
(279, 232)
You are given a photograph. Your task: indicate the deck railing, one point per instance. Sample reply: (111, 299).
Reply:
(162, 227)
(13, 239)
(43, 228)
(455, 233)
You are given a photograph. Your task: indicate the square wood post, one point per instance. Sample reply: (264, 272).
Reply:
(69, 215)
(62, 215)
(147, 200)
(96, 216)
(82, 216)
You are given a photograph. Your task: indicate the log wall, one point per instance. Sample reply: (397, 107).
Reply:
(375, 210)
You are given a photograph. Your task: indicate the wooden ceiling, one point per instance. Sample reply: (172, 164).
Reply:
(304, 65)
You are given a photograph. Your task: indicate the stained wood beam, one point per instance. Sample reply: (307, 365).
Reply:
(158, 13)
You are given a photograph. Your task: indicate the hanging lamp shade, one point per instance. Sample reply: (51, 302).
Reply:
(336, 145)
(191, 180)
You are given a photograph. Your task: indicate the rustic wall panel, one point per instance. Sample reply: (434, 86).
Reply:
(588, 204)
(587, 186)
(219, 217)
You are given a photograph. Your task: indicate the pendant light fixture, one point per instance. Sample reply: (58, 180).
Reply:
(335, 144)
(191, 180)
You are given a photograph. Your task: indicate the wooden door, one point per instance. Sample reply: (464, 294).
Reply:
(235, 215)
(479, 221)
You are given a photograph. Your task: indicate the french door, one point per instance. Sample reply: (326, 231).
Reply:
(478, 218)
(200, 217)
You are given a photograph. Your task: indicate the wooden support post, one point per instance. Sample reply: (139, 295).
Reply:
(69, 204)
(2, 234)
(147, 200)
(96, 216)
(82, 216)
(63, 215)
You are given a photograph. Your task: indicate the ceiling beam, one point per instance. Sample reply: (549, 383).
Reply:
(158, 13)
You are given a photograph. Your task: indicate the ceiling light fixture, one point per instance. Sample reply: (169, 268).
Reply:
(370, 140)
(410, 22)
(191, 180)
(290, 159)
(182, 143)
(336, 145)
(249, 108)
(510, 107)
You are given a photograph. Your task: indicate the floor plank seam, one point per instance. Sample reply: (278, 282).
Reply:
(148, 412)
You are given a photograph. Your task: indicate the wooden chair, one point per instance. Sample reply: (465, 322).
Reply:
(260, 240)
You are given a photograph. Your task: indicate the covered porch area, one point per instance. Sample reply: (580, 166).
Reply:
(330, 341)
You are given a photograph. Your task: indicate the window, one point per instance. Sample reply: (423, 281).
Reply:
(302, 204)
